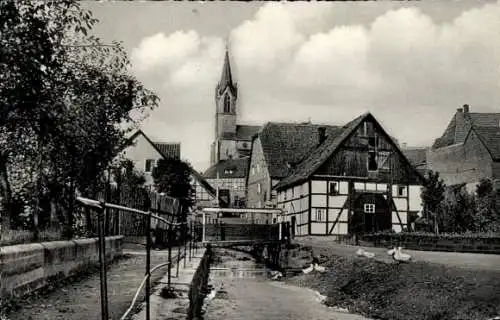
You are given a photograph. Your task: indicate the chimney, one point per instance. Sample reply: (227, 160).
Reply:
(404, 145)
(460, 110)
(466, 108)
(322, 134)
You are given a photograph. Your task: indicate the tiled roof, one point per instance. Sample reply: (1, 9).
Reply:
(417, 156)
(246, 132)
(286, 144)
(490, 136)
(461, 123)
(319, 155)
(169, 150)
(230, 168)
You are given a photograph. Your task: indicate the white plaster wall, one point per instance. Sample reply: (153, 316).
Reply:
(318, 227)
(415, 200)
(318, 186)
(336, 201)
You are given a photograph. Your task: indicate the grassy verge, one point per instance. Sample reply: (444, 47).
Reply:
(414, 291)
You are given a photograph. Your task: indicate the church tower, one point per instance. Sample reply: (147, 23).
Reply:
(226, 95)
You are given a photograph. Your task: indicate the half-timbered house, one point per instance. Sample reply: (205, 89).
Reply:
(356, 181)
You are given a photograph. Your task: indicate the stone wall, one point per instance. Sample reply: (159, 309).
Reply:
(28, 267)
(198, 287)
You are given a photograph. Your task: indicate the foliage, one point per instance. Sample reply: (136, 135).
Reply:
(487, 217)
(66, 105)
(173, 177)
(432, 194)
(457, 212)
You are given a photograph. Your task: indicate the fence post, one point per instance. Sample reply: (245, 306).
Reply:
(148, 264)
(185, 229)
(178, 257)
(169, 236)
(102, 262)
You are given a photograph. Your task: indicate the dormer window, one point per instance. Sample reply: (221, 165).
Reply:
(227, 104)
(372, 161)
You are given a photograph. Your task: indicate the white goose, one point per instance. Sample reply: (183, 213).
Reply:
(363, 253)
(400, 256)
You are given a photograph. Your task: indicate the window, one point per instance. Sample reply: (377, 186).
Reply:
(227, 104)
(372, 161)
(369, 208)
(401, 191)
(293, 193)
(333, 190)
(372, 142)
(259, 188)
(253, 170)
(319, 215)
(284, 195)
(149, 165)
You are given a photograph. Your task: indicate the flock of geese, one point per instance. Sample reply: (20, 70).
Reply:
(396, 253)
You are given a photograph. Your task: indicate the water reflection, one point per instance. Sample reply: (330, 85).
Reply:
(238, 273)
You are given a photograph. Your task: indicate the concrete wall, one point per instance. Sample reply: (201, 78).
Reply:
(29, 267)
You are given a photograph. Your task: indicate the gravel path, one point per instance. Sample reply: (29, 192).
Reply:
(456, 259)
(81, 300)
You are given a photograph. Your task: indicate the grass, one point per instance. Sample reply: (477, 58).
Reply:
(13, 237)
(414, 291)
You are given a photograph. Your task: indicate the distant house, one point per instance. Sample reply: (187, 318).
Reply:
(228, 176)
(145, 155)
(417, 157)
(357, 180)
(468, 150)
(275, 151)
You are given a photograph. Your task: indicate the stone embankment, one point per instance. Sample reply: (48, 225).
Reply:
(29, 267)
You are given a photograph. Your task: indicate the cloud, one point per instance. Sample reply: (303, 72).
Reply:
(293, 61)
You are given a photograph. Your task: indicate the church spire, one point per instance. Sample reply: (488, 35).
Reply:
(226, 78)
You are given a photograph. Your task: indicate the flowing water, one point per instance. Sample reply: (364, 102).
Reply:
(244, 291)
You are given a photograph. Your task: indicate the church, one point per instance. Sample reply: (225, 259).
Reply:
(231, 148)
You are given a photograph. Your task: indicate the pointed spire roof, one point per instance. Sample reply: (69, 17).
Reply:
(226, 78)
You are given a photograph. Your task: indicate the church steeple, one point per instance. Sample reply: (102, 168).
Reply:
(226, 79)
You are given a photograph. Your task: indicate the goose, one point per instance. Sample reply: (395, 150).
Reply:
(400, 256)
(309, 269)
(362, 253)
(391, 252)
(319, 268)
(276, 275)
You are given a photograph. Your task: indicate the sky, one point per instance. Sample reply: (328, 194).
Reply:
(410, 64)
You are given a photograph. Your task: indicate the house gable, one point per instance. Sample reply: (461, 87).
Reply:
(317, 159)
(258, 178)
(369, 152)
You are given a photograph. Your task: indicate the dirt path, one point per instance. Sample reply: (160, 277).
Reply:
(456, 259)
(81, 301)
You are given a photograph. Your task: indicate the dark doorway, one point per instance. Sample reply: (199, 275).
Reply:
(371, 214)
(293, 222)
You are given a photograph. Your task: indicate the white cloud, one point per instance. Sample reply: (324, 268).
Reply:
(293, 62)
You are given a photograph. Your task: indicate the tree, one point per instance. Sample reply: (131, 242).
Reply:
(173, 177)
(432, 194)
(457, 211)
(66, 104)
(487, 218)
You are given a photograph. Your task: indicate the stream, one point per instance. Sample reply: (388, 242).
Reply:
(244, 291)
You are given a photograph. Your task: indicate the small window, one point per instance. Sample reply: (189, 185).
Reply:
(293, 193)
(401, 191)
(284, 195)
(372, 161)
(149, 165)
(333, 189)
(253, 170)
(369, 208)
(372, 142)
(245, 145)
(227, 104)
(319, 215)
(259, 188)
